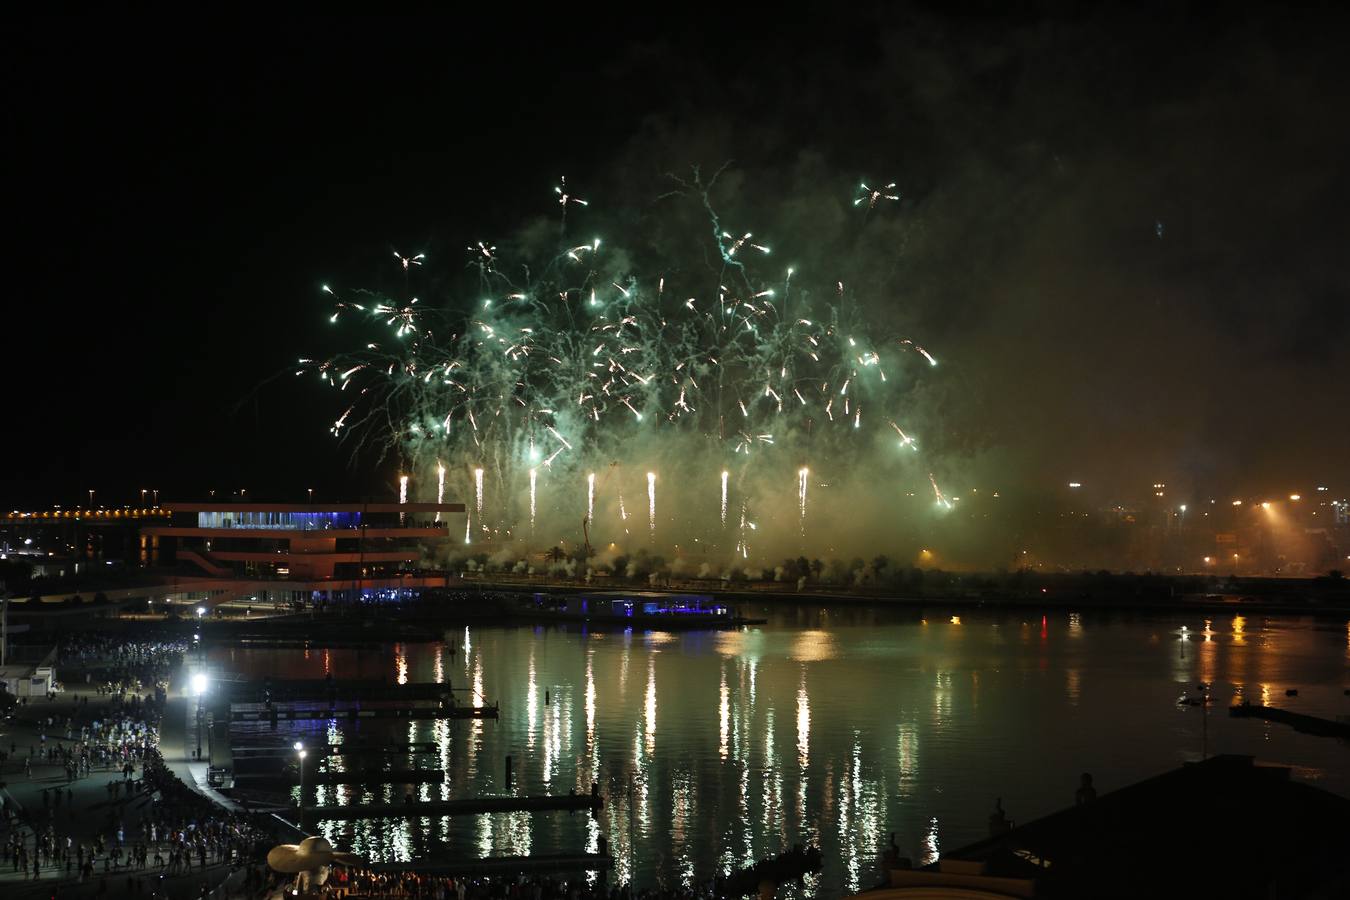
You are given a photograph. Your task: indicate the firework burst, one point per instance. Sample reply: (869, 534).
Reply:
(582, 359)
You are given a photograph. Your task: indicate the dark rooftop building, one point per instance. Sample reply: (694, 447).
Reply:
(1221, 828)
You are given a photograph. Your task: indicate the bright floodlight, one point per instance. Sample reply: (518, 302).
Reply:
(298, 746)
(201, 610)
(199, 683)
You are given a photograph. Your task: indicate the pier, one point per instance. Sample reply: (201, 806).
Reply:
(354, 713)
(363, 777)
(352, 748)
(1299, 721)
(506, 865)
(261, 691)
(464, 807)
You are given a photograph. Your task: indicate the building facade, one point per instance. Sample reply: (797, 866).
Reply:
(318, 551)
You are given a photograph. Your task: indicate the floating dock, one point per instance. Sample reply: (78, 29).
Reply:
(321, 689)
(465, 807)
(505, 865)
(349, 748)
(366, 777)
(1299, 721)
(279, 714)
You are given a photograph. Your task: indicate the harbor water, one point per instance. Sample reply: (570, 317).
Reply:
(827, 726)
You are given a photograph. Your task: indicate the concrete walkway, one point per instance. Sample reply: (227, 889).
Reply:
(86, 809)
(178, 742)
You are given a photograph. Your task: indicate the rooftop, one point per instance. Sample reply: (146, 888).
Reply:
(1225, 827)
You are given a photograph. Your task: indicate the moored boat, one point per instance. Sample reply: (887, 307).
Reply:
(655, 610)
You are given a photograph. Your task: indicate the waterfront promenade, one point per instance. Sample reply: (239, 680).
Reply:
(108, 815)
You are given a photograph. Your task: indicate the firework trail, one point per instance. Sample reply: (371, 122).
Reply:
(478, 496)
(440, 485)
(651, 502)
(534, 479)
(725, 476)
(802, 475)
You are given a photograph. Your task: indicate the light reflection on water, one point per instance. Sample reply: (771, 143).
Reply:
(716, 750)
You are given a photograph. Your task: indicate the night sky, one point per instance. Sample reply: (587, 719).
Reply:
(1126, 228)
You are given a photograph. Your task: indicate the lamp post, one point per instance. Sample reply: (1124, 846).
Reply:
(300, 764)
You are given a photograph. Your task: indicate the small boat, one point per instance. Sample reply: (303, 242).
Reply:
(648, 610)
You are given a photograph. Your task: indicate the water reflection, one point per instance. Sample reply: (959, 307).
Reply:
(907, 757)
(590, 700)
(803, 724)
(771, 736)
(814, 646)
(932, 848)
(531, 702)
(649, 707)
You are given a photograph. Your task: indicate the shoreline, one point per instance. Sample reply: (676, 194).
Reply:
(495, 603)
(1335, 605)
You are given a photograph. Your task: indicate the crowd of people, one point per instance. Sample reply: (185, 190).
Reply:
(145, 825)
(148, 824)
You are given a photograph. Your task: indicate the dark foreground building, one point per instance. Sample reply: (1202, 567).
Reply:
(1222, 828)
